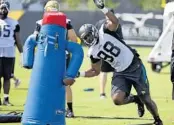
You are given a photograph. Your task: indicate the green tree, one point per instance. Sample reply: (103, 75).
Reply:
(148, 4)
(73, 4)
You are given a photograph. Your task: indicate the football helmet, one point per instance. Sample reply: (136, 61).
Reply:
(52, 5)
(89, 34)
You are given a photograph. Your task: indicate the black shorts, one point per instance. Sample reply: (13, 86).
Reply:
(134, 75)
(106, 67)
(6, 67)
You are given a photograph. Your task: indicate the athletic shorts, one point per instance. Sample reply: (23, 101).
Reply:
(134, 75)
(106, 67)
(6, 67)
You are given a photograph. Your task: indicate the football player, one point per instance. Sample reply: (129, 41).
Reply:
(106, 67)
(105, 44)
(9, 35)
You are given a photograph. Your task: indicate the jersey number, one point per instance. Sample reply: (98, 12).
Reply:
(5, 31)
(110, 48)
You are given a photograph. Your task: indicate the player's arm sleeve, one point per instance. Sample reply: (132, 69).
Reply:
(119, 31)
(17, 38)
(94, 60)
(106, 30)
(17, 28)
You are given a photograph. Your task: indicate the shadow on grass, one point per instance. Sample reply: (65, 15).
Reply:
(164, 73)
(142, 124)
(11, 110)
(22, 89)
(112, 118)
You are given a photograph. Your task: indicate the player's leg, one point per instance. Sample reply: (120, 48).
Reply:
(120, 91)
(103, 80)
(123, 82)
(142, 88)
(105, 68)
(69, 96)
(172, 73)
(0, 90)
(8, 65)
(16, 80)
(69, 100)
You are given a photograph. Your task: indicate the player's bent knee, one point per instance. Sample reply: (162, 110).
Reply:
(117, 102)
(117, 99)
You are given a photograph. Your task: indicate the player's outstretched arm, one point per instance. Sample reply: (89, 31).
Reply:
(94, 71)
(113, 22)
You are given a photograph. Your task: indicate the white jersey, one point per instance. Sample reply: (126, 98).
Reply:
(113, 51)
(7, 40)
(7, 27)
(7, 51)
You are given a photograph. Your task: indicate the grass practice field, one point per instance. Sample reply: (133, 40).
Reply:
(91, 110)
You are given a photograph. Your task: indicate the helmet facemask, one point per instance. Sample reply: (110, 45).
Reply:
(90, 35)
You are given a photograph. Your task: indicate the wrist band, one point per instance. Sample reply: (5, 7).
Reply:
(105, 10)
(82, 74)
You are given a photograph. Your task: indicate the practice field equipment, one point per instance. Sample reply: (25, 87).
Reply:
(45, 103)
(161, 52)
(88, 89)
(12, 117)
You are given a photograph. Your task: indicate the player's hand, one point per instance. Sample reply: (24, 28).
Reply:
(68, 81)
(99, 3)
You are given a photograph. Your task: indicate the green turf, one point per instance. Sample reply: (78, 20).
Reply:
(91, 110)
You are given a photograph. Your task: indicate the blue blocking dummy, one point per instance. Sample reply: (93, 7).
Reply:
(45, 103)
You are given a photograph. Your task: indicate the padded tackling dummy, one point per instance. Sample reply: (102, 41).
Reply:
(45, 103)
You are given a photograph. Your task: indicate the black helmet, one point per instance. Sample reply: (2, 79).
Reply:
(89, 34)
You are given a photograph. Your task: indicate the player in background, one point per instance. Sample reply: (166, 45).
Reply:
(13, 77)
(172, 57)
(172, 68)
(106, 67)
(104, 44)
(53, 5)
(9, 35)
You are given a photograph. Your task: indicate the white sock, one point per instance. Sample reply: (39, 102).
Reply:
(6, 95)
